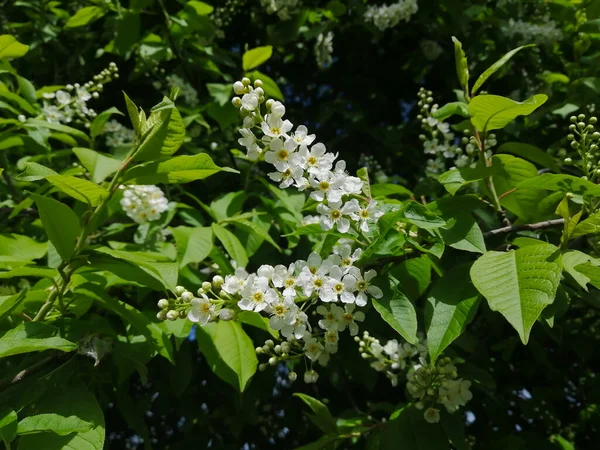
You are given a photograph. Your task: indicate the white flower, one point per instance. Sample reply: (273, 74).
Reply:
(333, 215)
(324, 49)
(63, 98)
(332, 317)
(431, 147)
(52, 114)
(455, 393)
(388, 16)
(331, 341)
(286, 177)
(317, 161)
(432, 415)
(337, 288)
(349, 184)
(312, 347)
(234, 283)
(349, 319)
(348, 258)
(361, 284)
(201, 310)
(256, 294)
(284, 278)
(275, 126)
(366, 215)
(250, 101)
(283, 313)
(301, 137)
(298, 329)
(279, 155)
(310, 376)
(326, 185)
(144, 203)
(265, 271)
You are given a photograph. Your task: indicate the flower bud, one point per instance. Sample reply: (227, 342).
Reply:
(432, 415)
(179, 290)
(21, 118)
(206, 286)
(200, 291)
(172, 315)
(258, 350)
(272, 361)
(310, 376)
(226, 314)
(239, 88)
(581, 117)
(292, 376)
(581, 125)
(246, 81)
(568, 161)
(269, 343)
(572, 127)
(224, 295)
(217, 281)
(161, 315)
(262, 367)
(593, 120)
(187, 296)
(258, 83)
(277, 349)
(236, 101)
(419, 405)
(570, 137)
(573, 119)
(163, 303)
(285, 347)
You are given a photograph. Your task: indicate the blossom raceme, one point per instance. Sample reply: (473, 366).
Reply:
(143, 203)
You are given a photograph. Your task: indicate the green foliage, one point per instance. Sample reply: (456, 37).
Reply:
(493, 112)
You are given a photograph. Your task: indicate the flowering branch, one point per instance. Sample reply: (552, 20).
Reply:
(526, 226)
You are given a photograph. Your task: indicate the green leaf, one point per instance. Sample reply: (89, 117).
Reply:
(451, 109)
(8, 425)
(591, 225)
(255, 229)
(30, 337)
(54, 423)
(11, 48)
(388, 190)
(34, 172)
(269, 85)
(7, 303)
(220, 92)
(417, 214)
(163, 271)
(398, 311)
(454, 179)
(363, 174)
(193, 244)
(85, 16)
(60, 223)
(493, 112)
(200, 8)
(258, 321)
(564, 183)
(256, 57)
(519, 284)
(99, 165)
(451, 305)
(463, 233)
(322, 417)
(134, 114)
(229, 352)
(573, 258)
(590, 271)
(232, 244)
(97, 126)
(21, 248)
(509, 171)
(494, 67)
(181, 169)
(462, 68)
(410, 429)
(37, 123)
(531, 153)
(37, 272)
(83, 190)
(75, 401)
(152, 331)
(163, 132)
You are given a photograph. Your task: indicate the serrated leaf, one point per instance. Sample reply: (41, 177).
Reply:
(573, 258)
(399, 312)
(229, 352)
(564, 183)
(83, 190)
(163, 132)
(193, 244)
(134, 113)
(531, 153)
(232, 244)
(451, 305)
(256, 56)
(591, 272)
(60, 223)
(494, 67)
(519, 284)
(417, 214)
(11, 48)
(98, 164)
(85, 16)
(34, 172)
(462, 68)
(181, 169)
(591, 225)
(451, 109)
(454, 179)
(33, 337)
(54, 423)
(494, 112)
(322, 418)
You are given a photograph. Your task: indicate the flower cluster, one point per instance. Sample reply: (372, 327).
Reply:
(388, 16)
(301, 162)
(117, 134)
(283, 8)
(429, 384)
(324, 49)
(546, 33)
(143, 203)
(186, 90)
(70, 105)
(585, 141)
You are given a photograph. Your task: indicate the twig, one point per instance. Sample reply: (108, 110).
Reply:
(28, 371)
(526, 226)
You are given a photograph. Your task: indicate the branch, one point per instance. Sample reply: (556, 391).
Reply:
(526, 226)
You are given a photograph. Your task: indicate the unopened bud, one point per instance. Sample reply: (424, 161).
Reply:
(187, 296)
(236, 101)
(292, 376)
(161, 315)
(258, 350)
(246, 81)
(179, 290)
(172, 315)
(226, 314)
(163, 303)
(269, 343)
(238, 88)
(285, 347)
(272, 361)
(217, 281)
(277, 349)
(258, 83)
(206, 286)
